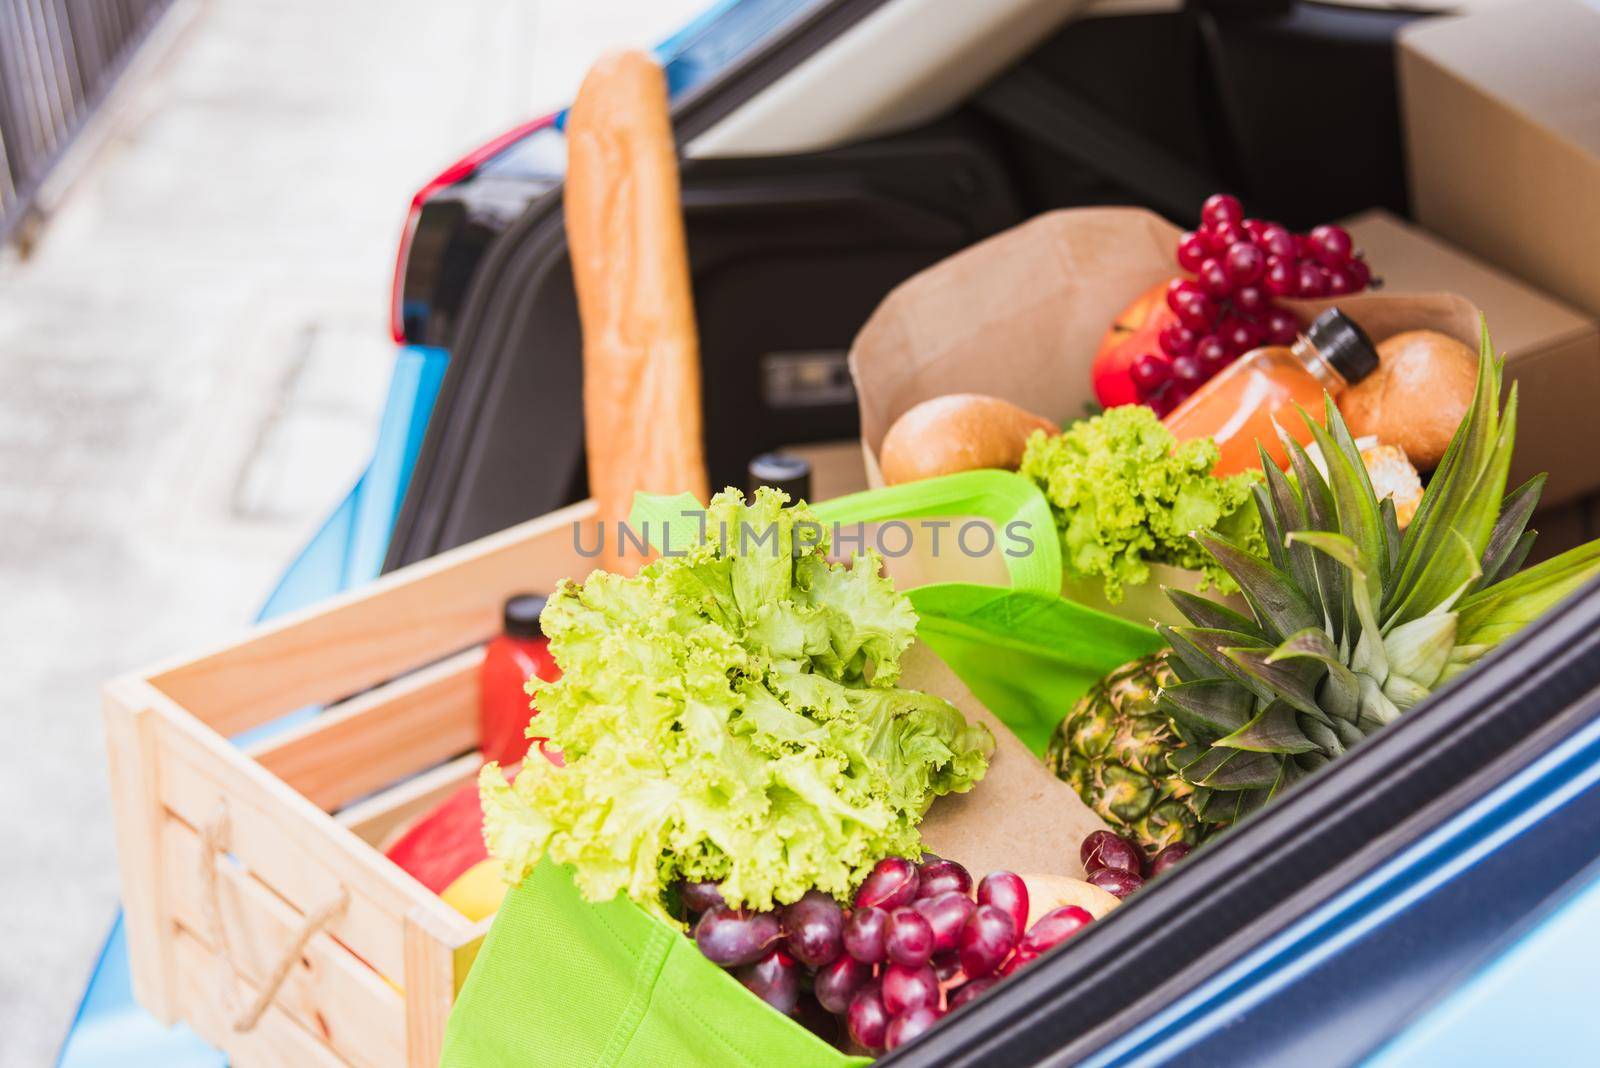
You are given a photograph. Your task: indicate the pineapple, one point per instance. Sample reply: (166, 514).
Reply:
(1113, 749)
(1350, 623)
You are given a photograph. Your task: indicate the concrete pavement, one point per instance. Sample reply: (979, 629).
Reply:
(191, 368)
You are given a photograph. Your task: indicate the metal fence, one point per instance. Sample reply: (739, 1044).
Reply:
(58, 58)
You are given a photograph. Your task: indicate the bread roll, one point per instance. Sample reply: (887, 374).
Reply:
(1417, 397)
(958, 432)
(630, 265)
(1394, 476)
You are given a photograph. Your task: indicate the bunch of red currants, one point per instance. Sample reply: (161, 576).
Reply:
(919, 941)
(1241, 268)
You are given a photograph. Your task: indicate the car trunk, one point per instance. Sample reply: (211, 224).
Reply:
(790, 253)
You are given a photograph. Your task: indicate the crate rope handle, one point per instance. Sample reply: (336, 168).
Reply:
(212, 836)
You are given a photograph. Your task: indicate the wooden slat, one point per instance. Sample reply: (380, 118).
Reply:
(382, 736)
(330, 992)
(275, 1042)
(299, 861)
(379, 819)
(294, 847)
(136, 806)
(430, 986)
(413, 616)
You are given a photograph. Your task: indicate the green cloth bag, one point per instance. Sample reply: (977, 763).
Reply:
(1024, 651)
(563, 981)
(1027, 656)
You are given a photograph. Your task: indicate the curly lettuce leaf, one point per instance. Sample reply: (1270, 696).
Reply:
(731, 714)
(1126, 495)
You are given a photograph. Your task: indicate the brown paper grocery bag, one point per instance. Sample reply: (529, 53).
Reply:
(1019, 316)
(1016, 316)
(1019, 817)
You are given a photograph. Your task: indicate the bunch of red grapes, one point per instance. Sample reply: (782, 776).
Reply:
(1241, 268)
(920, 941)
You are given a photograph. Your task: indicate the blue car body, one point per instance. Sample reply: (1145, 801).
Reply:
(1490, 946)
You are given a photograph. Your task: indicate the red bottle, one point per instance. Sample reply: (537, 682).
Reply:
(518, 654)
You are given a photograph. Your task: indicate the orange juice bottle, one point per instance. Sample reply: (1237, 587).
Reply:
(1239, 407)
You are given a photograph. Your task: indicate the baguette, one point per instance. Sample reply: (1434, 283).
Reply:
(630, 267)
(957, 432)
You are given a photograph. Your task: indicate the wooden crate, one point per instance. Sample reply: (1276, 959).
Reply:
(244, 869)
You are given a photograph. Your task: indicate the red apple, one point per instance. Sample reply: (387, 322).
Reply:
(1136, 332)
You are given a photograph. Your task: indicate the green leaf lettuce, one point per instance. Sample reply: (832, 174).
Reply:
(731, 713)
(1126, 495)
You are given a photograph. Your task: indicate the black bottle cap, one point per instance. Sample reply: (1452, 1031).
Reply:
(781, 471)
(522, 615)
(1343, 344)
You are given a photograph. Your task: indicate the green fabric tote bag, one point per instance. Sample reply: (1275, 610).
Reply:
(563, 981)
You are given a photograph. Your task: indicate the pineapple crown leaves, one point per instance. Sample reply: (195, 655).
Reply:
(1352, 621)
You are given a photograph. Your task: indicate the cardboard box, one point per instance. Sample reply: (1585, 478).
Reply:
(1502, 116)
(1552, 351)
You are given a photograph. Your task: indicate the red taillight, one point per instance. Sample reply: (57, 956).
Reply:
(397, 322)
(457, 171)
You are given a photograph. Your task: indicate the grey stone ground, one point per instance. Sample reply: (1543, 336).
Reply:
(192, 364)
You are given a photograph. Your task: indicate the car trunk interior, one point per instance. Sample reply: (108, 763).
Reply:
(789, 256)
